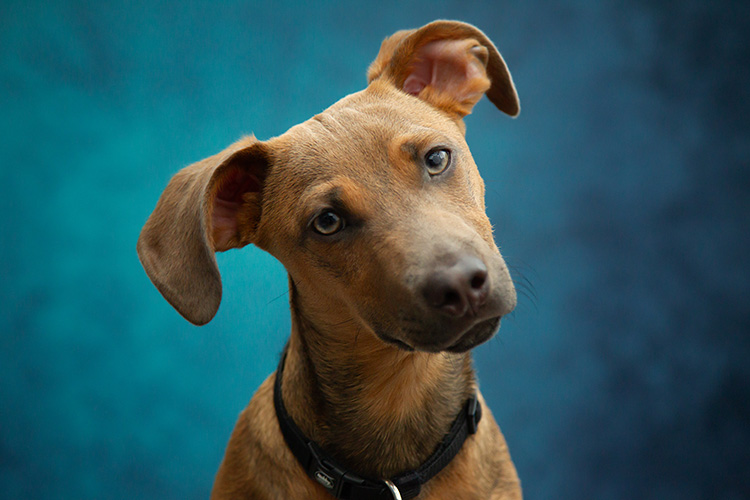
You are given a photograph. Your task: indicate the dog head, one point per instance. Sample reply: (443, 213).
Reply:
(375, 206)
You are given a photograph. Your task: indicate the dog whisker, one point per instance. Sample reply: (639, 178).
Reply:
(286, 293)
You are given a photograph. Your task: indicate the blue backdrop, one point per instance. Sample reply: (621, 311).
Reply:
(619, 196)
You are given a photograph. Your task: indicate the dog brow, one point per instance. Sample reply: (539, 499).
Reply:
(340, 192)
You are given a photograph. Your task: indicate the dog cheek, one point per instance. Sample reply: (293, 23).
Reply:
(482, 227)
(476, 185)
(332, 270)
(503, 289)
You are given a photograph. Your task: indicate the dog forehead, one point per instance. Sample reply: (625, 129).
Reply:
(383, 110)
(356, 136)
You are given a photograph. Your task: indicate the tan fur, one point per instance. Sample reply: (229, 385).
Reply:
(373, 373)
(395, 58)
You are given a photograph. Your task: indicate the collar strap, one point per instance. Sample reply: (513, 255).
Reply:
(347, 485)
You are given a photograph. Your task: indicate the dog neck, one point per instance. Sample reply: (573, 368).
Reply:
(378, 409)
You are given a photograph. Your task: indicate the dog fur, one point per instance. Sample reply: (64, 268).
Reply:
(378, 362)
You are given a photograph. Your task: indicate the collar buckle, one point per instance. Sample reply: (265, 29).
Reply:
(328, 474)
(392, 488)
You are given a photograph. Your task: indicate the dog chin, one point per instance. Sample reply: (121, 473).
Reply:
(477, 334)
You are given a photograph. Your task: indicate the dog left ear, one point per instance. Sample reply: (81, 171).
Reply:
(449, 64)
(207, 207)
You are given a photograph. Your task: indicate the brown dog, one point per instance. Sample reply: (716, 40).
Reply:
(376, 209)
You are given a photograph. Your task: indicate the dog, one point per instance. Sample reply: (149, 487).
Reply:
(376, 209)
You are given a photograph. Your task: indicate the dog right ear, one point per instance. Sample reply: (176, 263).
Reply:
(210, 206)
(448, 64)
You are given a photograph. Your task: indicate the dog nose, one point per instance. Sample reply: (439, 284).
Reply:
(458, 289)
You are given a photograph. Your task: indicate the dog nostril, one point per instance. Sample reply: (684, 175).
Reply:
(478, 280)
(452, 298)
(443, 292)
(457, 289)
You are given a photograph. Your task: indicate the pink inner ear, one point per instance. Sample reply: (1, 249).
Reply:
(227, 203)
(419, 78)
(449, 66)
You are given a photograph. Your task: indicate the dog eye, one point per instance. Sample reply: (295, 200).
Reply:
(437, 161)
(328, 223)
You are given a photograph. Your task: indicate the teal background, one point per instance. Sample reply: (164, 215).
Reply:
(619, 196)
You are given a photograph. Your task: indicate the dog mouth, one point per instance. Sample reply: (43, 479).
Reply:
(465, 341)
(396, 342)
(478, 334)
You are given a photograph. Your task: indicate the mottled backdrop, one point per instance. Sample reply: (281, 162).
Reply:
(620, 196)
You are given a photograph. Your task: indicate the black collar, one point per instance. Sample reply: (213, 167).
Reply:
(345, 484)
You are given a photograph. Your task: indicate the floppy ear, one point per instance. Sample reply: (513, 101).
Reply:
(210, 206)
(449, 64)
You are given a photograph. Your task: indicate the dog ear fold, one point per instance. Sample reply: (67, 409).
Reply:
(449, 64)
(210, 206)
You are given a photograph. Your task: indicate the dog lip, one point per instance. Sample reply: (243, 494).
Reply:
(469, 332)
(396, 342)
(469, 338)
(477, 334)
